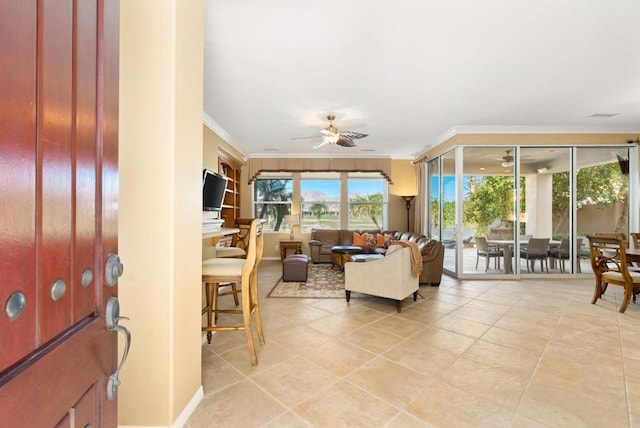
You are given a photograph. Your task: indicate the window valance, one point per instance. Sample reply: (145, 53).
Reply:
(258, 166)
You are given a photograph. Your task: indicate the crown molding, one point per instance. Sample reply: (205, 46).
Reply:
(215, 127)
(578, 129)
(279, 155)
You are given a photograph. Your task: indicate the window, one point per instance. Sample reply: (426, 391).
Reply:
(323, 200)
(320, 201)
(272, 201)
(602, 190)
(368, 200)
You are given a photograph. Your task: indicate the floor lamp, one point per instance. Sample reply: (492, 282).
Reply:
(408, 198)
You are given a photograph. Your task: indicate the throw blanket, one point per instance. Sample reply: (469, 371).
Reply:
(416, 257)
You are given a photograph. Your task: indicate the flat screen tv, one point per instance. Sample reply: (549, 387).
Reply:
(213, 188)
(624, 165)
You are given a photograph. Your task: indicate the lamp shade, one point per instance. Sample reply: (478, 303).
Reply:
(291, 219)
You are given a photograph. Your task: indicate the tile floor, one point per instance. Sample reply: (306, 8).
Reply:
(529, 353)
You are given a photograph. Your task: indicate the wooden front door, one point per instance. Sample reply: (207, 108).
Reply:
(58, 214)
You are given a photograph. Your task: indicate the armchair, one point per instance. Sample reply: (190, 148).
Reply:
(390, 276)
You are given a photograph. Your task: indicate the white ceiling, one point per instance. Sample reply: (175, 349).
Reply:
(410, 73)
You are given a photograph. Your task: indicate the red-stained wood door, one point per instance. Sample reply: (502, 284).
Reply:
(58, 210)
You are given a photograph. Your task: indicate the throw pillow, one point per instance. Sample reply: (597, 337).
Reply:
(358, 240)
(387, 239)
(370, 239)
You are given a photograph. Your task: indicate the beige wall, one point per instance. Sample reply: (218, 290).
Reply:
(404, 183)
(210, 149)
(212, 144)
(160, 207)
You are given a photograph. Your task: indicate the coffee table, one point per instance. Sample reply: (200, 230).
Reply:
(341, 254)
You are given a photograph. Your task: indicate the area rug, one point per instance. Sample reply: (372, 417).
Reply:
(324, 281)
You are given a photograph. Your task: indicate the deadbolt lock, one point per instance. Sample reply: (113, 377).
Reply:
(113, 270)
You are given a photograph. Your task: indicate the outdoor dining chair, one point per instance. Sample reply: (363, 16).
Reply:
(484, 250)
(536, 249)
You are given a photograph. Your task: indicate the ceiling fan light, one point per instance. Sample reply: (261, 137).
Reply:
(332, 138)
(507, 161)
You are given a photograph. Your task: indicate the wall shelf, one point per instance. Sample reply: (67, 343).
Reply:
(230, 168)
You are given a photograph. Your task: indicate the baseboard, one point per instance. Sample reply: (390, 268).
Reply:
(189, 409)
(184, 416)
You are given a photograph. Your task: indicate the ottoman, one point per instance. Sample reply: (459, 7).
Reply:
(294, 268)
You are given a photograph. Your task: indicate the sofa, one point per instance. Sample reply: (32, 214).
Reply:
(432, 250)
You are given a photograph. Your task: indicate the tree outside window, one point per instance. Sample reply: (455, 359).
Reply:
(272, 201)
(367, 203)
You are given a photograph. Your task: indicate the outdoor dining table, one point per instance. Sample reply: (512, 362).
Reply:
(506, 245)
(507, 248)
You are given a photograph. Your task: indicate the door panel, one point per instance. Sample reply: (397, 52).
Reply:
(54, 159)
(108, 87)
(84, 415)
(17, 176)
(58, 164)
(85, 263)
(64, 369)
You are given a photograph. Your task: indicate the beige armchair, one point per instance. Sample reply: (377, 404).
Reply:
(390, 276)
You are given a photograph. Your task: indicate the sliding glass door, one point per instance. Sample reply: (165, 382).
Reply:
(506, 195)
(488, 203)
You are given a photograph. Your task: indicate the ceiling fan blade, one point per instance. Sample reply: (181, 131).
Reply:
(320, 143)
(345, 142)
(353, 135)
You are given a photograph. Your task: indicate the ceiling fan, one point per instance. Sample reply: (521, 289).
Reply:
(507, 160)
(331, 135)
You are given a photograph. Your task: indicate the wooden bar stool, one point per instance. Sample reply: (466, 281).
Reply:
(237, 247)
(236, 271)
(237, 250)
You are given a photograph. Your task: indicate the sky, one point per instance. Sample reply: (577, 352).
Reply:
(332, 187)
(366, 187)
(449, 187)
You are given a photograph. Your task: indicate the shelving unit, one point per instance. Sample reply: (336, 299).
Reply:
(230, 168)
